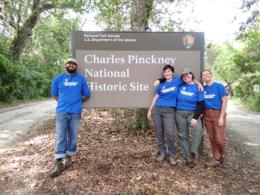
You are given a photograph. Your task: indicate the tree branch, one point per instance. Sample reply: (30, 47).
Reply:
(46, 7)
(7, 19)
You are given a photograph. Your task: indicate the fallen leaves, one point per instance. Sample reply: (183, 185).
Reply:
(118, 161)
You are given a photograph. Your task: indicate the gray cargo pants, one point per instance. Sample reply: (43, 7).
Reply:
(183, 119)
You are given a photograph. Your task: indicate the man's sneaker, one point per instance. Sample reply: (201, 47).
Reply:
(161, 158)
(172, 160)
(59, 167)
(67, 162)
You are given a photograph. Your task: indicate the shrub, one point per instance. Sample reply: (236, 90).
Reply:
(27, 79)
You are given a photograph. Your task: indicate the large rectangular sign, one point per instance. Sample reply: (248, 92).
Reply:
(121, 66)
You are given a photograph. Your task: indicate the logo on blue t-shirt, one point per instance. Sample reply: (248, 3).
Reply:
(69, 89)
(168, 89)
(188, 97)
(213, 95)
(209, 96)
(69, 84)
(167, 92)
(186, 92)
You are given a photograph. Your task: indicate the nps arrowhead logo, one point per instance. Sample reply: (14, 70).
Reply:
(188, 41)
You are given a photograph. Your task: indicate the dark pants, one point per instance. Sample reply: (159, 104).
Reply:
(164, 119)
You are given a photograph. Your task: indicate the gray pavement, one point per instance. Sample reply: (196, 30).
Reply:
(18, 120)
(244, 126)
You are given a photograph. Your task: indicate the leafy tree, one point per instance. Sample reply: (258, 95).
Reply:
(224, 65)
(23, 15)
(251, 6)
(6, 87)
(117, 15)
(248, 62)
(240, 67)
(113, 15)
(51, 40)
(43, 57)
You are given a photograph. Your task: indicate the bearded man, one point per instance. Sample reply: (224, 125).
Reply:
(70, 90)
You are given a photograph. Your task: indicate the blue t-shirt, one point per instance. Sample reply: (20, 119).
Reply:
(69, 89)
(188, 97)
(213, 95)
(167, 92)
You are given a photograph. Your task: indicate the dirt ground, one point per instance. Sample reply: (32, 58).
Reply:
(114, 161)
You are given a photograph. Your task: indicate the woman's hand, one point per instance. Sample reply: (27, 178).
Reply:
(193, 122)
(200, 86)
(221, 121)
(149, 115)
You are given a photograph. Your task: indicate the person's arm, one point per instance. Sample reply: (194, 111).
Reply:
(54, 89)
(149, 113)
(223, 110)
(159, 81)
(84, 90)
(84, 98)
(197, 113)
(200, 86)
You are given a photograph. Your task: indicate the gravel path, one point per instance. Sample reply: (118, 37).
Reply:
(15, 121)
(244, 126)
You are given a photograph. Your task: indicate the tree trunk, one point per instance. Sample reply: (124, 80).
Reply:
(22, 35)
(138, 16)
(139, 23)
(25, 31)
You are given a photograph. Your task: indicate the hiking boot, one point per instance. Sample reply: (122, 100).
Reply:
(161, 158)
(213, 163)
(221, 160)
(172, 161)
(190, 162)
(67, 162)
(59, 167)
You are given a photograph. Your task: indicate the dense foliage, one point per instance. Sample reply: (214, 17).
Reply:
(23, 80)
(239, 66)
(248, 63)
(42, 58)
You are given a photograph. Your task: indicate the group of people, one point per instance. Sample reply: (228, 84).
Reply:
(179, 103)
(179, 100)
